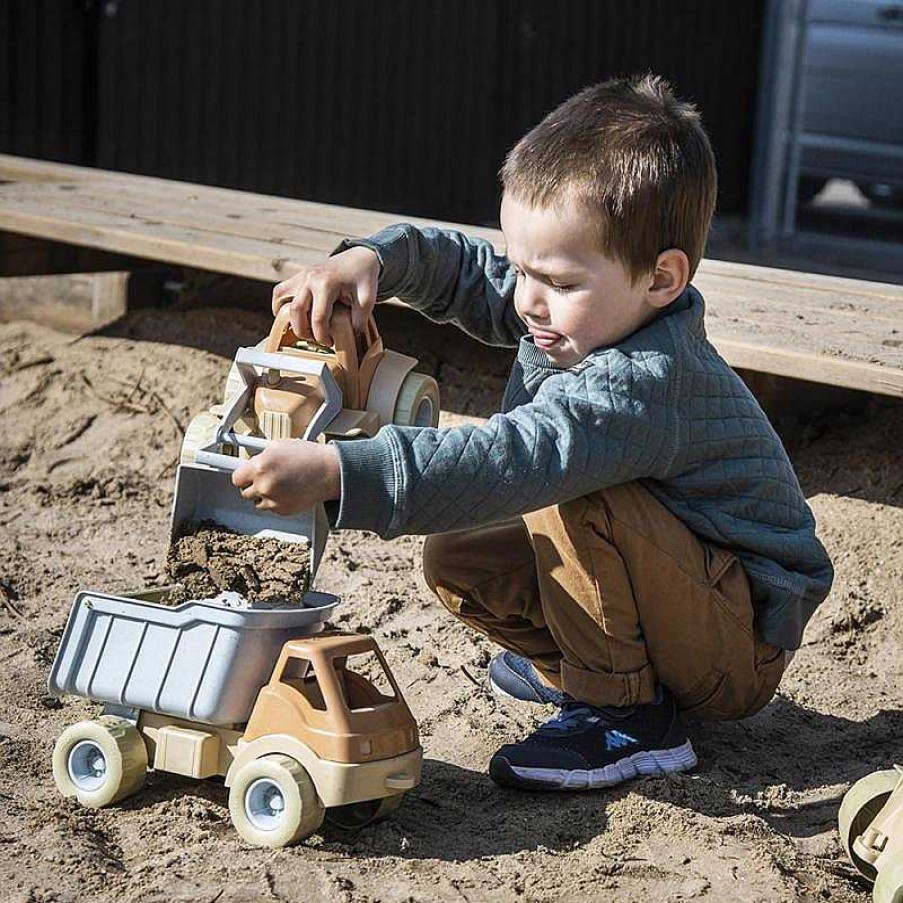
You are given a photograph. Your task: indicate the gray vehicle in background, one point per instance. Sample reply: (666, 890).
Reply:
(853, 98)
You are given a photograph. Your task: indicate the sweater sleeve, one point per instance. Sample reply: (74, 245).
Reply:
(449, 277)
(583, 431)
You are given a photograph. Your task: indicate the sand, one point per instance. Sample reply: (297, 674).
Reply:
(88, 448)
(209, 559)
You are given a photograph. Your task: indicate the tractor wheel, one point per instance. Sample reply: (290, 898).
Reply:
(200, 433)
(100, 762)
(861, 803)
(273, 802)
(354, 816)
(418, 401)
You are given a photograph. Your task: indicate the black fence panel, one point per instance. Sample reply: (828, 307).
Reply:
(380, 105)
(402, 105)
(47, 70)
(708, 49)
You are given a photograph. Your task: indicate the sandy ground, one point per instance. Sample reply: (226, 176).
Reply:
(88, 448)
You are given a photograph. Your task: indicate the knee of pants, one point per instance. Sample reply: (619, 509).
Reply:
(432, 560)
(436, 577)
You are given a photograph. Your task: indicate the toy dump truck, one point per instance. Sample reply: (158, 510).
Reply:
(301, 728)
(301, 724)
(871, 830)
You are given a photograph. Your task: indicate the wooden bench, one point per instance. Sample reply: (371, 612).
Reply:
(841, 332)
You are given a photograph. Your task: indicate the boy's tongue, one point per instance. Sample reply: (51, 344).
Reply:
(544, 339)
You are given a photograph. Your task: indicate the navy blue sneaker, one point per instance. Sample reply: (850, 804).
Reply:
(514, 676)
(583, 748)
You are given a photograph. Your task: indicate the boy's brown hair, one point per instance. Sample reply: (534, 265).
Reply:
(636, 157)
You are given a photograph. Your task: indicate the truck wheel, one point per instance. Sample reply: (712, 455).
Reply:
(418, 401)
(100, 762)
(273, 802)
(354, 816)
(861, 803)
(889, 884)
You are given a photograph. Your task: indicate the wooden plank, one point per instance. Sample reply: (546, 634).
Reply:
(207, 199)
(177, 213)
(158, 241)
(797, 365)
(837, 331)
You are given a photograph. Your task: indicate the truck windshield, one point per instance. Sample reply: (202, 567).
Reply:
(363, 681)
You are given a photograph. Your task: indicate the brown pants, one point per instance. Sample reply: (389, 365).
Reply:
(608, 594)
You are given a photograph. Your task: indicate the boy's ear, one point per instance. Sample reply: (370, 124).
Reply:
(670, 278)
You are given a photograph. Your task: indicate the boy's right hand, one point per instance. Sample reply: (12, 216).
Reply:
(350, 278)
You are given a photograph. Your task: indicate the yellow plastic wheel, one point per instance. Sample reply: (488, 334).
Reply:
(354, 816)
(273, 802)
(200, 433)
(418, 401)
(889, 884)
(100, 762)
(861, 803)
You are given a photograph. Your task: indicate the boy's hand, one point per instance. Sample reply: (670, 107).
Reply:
(290, 476)
(350, 277)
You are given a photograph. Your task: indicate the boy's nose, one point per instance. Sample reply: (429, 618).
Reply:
(531, 301)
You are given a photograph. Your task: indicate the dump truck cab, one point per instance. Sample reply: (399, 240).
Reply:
(336, 694)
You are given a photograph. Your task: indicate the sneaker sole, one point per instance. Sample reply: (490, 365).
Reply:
(644, 763)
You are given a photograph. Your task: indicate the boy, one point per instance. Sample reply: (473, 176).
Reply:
(629, 528)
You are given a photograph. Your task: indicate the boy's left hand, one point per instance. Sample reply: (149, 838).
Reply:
(290, 476)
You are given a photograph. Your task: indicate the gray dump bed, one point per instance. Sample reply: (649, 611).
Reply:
(199, 661)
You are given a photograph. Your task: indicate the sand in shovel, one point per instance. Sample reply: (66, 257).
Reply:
(209, 559)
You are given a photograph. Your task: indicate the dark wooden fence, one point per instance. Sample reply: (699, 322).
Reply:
(405, 105)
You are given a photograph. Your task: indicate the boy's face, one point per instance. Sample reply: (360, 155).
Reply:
(572, 297)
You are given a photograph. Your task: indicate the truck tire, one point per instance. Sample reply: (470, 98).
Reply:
(354, 816)
(100, 762)
(273, 802)
(861, 803)
(418, 401)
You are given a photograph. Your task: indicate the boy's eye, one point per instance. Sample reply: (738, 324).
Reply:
(562, 288)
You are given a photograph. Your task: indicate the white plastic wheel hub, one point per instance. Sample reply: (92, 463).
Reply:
(264, 804)
(87, 766)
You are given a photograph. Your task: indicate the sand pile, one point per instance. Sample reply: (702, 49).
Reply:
(210, 559)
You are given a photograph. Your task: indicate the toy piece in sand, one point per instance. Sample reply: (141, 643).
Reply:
(210, 559)
(871, 830)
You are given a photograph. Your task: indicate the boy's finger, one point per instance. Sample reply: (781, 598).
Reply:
(250, 493)
(282, 294)
(321, 313)
(360, 312)
(299, 314)
(243, 476)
